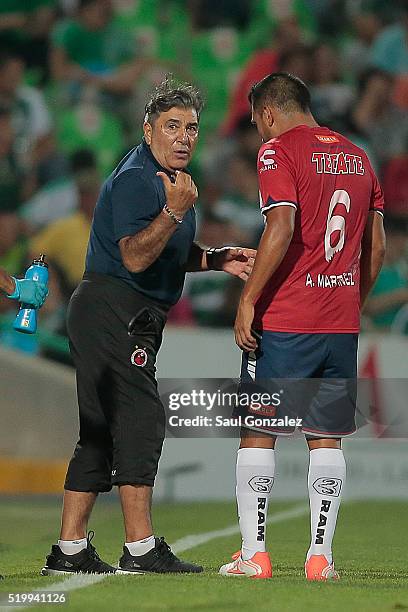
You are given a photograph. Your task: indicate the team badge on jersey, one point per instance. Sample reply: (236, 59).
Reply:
(139, 357)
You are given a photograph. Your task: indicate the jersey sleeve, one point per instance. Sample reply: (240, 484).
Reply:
(135, 204)
(277, 183)
(377, 196)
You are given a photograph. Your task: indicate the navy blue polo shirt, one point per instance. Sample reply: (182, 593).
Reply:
(130, 199)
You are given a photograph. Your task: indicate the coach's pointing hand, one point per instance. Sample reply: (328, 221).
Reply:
(180, 195)
(237, 261)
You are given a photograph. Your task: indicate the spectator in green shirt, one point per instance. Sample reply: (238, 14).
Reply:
(92, 49)
(390, 292)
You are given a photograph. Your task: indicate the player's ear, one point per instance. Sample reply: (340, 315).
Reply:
(147, 130)
(268, 116)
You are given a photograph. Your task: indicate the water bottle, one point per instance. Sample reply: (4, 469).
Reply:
(26, 320)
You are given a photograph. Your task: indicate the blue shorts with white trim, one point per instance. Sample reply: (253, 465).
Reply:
(312, 377)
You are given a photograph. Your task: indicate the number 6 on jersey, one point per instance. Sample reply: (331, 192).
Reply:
(336, 223)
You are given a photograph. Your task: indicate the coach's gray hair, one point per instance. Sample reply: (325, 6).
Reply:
(170, 94)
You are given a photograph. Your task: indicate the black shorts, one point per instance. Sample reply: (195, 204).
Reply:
(313, 378)
(115, 333)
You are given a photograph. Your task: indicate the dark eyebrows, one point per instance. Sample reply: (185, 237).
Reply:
(178, 122)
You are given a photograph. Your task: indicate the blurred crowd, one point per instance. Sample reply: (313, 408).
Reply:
(74, 77)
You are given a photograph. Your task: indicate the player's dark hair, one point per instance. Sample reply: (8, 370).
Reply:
(170, 94)
(283, 90)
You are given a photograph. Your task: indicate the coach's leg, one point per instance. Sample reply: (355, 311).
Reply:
(77, 508)
(255, 471)
(326, 478)
(136, 503)
(74, 553)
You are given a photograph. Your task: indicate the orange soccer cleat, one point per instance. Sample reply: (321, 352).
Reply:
(258, 566)
(317, 567)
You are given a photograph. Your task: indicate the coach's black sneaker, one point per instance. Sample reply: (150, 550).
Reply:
(159, 560)
(87, 561)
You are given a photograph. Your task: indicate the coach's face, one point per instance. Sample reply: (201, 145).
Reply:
(172, 137)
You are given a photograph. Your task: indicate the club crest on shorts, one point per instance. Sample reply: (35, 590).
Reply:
(139, 357)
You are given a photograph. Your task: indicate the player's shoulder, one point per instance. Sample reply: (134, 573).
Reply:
(358, 151)
(288, 142)
(346, 141)
(272, 148)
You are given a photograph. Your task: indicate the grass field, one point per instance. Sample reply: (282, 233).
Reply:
(371, 552)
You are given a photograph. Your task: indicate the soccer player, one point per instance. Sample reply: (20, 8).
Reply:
(299, 313)
(24, 290)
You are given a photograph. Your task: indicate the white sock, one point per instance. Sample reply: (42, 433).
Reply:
(72, 547)
(327, 475)
(255, 474)
(141, 547)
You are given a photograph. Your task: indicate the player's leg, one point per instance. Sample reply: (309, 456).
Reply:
(255, 472)
(331, 417)
(255, 468)
(326, 479)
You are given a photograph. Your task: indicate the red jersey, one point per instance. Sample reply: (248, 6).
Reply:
(332, 186)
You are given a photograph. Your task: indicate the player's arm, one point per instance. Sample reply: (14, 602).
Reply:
(373, 241)
(274, 243)
(372, 254)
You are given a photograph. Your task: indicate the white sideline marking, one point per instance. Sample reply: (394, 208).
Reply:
(191, 541)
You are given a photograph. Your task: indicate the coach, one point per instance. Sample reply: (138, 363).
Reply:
(141, 245)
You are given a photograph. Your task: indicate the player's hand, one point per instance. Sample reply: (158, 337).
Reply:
(29, 291)
(242, 328)
(237, 261)
(180, 195)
